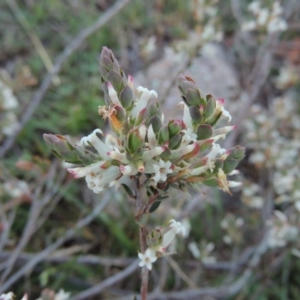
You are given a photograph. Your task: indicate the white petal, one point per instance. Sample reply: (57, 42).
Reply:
(151, 137)
(83, 171)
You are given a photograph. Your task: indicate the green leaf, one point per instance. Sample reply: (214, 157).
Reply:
(195, 114)
(193, 97)
(126, 97)
(229, 165)
(212, 182)
(116, 80)
(209, 108)
(154, 206)
(204, 132)
(128, 191)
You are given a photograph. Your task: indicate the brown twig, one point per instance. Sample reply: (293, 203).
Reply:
(140, 211)
(74, 44)
(107, 282)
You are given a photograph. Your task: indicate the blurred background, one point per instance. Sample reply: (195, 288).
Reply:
(58, 240)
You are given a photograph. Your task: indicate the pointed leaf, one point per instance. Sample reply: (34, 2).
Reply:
(204, 132)
(210, 107)
(128, 191)
(195, 114)
(154, 206)
(116, 80)
(126, 97)
(193, 97)
(229, 165)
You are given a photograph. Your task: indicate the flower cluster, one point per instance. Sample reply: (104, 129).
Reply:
(269, 19)
(281, 231)
(145, 152)
(232, 226)
(180, 153)
(274, 138)
(288, 76)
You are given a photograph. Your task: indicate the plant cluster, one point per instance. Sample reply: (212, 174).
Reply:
(147, 155)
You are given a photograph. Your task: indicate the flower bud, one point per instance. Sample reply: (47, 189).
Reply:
(154, 237)
(116, 80)
(237, 152)
(135, 141)
(126, 97)
(174, 126)
(210, 107)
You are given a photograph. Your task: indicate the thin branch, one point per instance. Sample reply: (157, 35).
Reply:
(107, 282)
(82, 259)
(74, 45)
(180, 272)
(46, 252)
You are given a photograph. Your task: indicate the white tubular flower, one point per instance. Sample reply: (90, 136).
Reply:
(226, 115)
(151, 137)
(130, 169)
(83, 171)
(118, 156)
(169, 236)
(186, 116)
(224, 130)
(234, 183)
(162, 169)
(97, 182)
(113, 95)
(143, 101)
(178, 227)
(149, 154)
(181, 151)
(93, 139)
(189, 136)
(147, 258)
(112, 142)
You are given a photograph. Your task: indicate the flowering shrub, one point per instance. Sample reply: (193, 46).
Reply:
(279, 128)
(148, 156)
